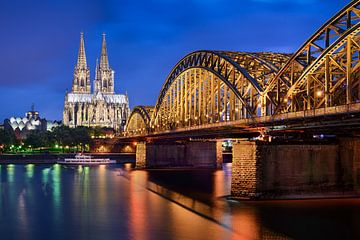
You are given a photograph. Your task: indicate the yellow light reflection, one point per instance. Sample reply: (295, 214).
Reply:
(127, 166)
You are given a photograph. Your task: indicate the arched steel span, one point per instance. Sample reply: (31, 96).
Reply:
(333, 79)
(139, 121)
(318, 45)
(244, 75)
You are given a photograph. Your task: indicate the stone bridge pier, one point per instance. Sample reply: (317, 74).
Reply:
(295, 170)
(268, 170)
(197, 154)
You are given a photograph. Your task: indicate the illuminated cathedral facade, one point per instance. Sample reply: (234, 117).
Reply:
(100, 107)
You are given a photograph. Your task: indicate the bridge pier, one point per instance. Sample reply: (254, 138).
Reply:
(297, 170)
(219, 154)
(198, 154)
(140, 155)
(246, 177)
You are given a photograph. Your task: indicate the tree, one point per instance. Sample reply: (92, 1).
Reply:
(74, 137)
(6, 139)
(38, 139)
(62, 136)
(81, 137)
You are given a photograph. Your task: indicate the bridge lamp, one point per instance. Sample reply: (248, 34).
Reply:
(319, 93)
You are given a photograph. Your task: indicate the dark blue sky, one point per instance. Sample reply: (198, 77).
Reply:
(39, 41)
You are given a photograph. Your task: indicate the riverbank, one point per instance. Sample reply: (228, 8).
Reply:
(51, 158)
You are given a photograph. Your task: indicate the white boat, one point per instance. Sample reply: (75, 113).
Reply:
(81, 159)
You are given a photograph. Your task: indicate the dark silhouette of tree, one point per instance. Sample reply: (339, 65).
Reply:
(6, 139)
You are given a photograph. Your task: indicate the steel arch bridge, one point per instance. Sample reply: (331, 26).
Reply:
(209, 87)
(139, 120)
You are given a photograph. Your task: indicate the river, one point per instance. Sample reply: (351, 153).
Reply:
(117, 202)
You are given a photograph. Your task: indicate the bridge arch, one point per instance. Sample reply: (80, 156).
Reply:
(333, 79)
(284, 88)
(139, 121)
(212, 86)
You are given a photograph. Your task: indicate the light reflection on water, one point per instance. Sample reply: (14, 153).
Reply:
(115, 202)
(204, 193)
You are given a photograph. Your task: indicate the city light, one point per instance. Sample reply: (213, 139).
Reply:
(243, 140)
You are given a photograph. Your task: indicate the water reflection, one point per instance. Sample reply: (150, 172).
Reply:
(137, 208)
(45, 179)
(55, 173)
(10, 173)
(204, 193)
(57, 202)
(29, 170)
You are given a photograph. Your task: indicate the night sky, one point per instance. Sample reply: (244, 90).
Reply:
(39, 41)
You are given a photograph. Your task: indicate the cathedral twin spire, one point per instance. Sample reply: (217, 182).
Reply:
(104, 60)
(104, 75)
(81, 62)
(81, 81)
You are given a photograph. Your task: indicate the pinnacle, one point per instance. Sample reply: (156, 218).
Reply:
(104, 61)
(81, 62)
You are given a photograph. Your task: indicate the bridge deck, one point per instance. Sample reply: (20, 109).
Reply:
(345, 115)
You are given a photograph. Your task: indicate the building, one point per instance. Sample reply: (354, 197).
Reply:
(21, 126)
(100, 107)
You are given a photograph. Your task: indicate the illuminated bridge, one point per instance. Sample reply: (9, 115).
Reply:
(207, 89)
(211, 95)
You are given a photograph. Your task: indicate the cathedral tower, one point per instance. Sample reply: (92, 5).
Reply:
(100, 108)
(104, 76)
(81, 80)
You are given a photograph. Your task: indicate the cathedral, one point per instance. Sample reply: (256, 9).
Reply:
(100, 107)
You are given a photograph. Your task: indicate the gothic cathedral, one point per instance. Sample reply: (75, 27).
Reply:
(102, 107)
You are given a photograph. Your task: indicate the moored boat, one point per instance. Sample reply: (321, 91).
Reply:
(81, 159)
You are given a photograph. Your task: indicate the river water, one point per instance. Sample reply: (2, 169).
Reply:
(117, 202)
